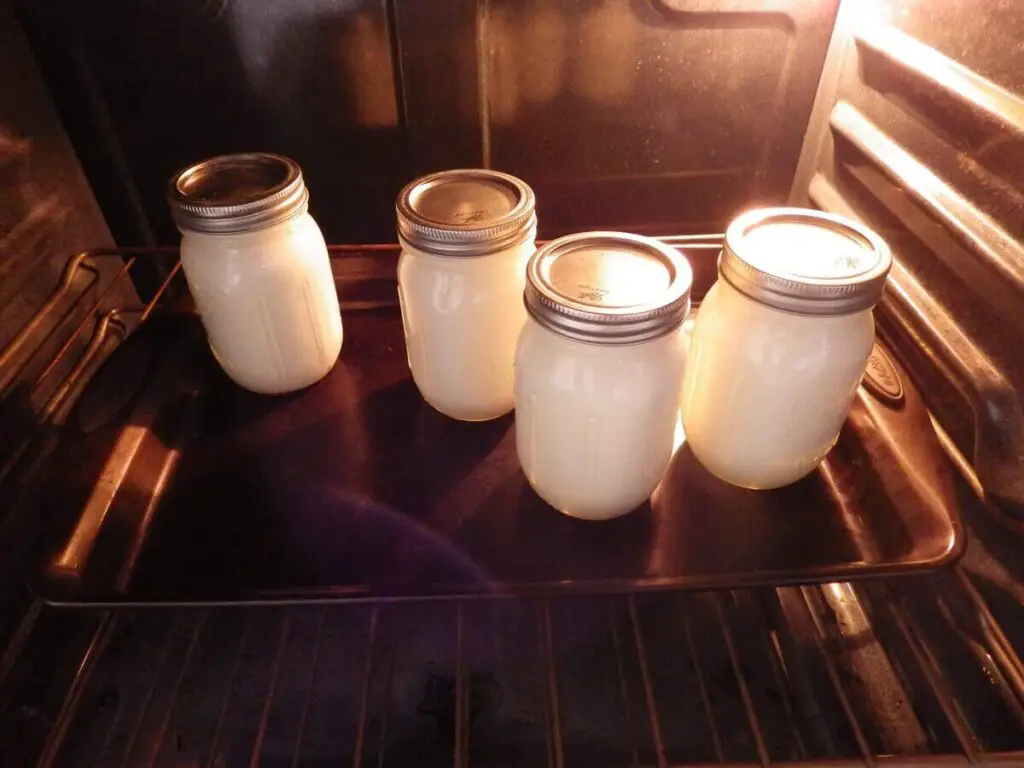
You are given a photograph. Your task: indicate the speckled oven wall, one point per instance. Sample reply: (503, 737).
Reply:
(651, 115)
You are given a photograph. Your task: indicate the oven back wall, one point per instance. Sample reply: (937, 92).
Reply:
(652, 115)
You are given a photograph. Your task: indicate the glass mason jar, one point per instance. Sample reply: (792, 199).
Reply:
(599, 367)
(466, 238)
(257, 267)
(780, 344)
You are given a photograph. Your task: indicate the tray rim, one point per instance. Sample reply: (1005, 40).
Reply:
(47, 587)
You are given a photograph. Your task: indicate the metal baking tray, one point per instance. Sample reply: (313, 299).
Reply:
(169, 484)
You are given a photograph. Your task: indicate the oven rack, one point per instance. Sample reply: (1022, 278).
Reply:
(837, 675)
(941, 652)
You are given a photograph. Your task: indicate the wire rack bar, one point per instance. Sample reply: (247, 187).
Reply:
(702, 687)
(268, 699)
(364, 691)
(314, 663)
(157, 669)
(552, 709)
(741, 681)
(988, 655)
(165, 722)
(886, 761)
(382, 732)
(82, 324)
(935, 679)
(18, 640)
(229, 690)
(461, 745)
(645, 676)
(1000, 646)
(151, 304)
(779, 675)
(90, 660)
(620, 670)
(108, 737)
(52, 411)
(32, 325)
(821, 643)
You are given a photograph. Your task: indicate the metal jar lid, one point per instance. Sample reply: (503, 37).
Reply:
(237, 193)
(805, 261)
(466, 212)
(608, 287)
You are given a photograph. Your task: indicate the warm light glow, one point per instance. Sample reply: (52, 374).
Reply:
(837, 590)
(610, 278)
(678, 437)
(794, 248)
(864, 12)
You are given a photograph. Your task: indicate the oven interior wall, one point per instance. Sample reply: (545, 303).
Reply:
(654, 115)
(47, 215)
(918, 129)
(47, 210)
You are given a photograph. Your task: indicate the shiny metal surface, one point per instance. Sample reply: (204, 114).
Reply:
(229, 194)
(47, 213)
(264, 685)
(935, 344)
(885, 502)
(917, 134)
(469, 212)
(608, 680)
(608, 287)
(908, 672)
(988, 242)
(805, 261)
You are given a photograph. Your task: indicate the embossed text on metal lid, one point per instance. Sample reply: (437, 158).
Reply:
(468, 212)
(608, 287)
(805, 261)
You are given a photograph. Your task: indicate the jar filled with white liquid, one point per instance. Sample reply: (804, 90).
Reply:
(257, 267)
(598, 369)
(466, 237)
(780, 344)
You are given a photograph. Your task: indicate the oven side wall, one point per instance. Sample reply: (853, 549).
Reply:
(47, 214)
(918, 129)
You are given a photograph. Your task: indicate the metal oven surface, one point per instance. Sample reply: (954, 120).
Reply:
(172, 485)
(904, 673)
(915, 128)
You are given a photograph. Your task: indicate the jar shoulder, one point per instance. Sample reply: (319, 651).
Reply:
(725, 312)
(544, 354)
(289, 243)
(413, 260)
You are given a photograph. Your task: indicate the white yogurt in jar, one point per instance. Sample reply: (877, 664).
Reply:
(466, 237)
(780, 344)
(598, 370)
(258, 269)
